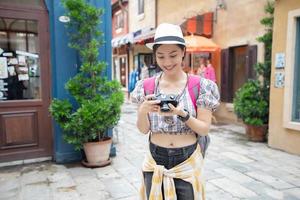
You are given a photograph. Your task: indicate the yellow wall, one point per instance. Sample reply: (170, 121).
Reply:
(239, 24)
(178, 11)
(280, 137)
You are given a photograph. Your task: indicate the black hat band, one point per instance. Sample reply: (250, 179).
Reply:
(169, 38)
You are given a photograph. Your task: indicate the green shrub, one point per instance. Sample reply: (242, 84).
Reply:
(98, 100)
(249, 104)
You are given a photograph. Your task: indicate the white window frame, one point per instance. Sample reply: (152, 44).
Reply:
(142, 14)
(289, 71)
(119, 16)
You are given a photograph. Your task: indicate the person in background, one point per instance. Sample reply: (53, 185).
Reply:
(133, 78)
(145, 69)
(202, 68)
(209, 72)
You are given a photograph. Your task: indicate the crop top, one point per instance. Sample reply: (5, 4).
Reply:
(208, 98)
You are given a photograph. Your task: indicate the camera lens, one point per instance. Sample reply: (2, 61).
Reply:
(164, 108)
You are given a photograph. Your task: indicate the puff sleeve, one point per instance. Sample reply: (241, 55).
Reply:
(209, 95)
(138, 94)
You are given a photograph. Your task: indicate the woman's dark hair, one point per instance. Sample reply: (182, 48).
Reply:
(182, 47)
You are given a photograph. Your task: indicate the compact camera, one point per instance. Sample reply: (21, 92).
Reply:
(165, 100)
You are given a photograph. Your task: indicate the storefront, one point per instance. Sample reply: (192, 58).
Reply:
(35, 63)
(120, 54)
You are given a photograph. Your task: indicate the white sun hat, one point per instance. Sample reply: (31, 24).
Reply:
(167, 34)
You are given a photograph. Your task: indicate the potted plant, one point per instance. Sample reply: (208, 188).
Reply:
(251, 102)
(252, 108)
(98, 100)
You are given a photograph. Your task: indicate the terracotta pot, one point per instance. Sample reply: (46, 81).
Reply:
(256, 133)
(97, 152)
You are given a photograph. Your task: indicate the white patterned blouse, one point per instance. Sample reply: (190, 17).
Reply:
(208, 98)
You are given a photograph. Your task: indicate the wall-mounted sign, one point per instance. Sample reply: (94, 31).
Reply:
(279, 60)
(2, 90)
(279, 79)
(3, 67)
(64, 19)
(24, 53)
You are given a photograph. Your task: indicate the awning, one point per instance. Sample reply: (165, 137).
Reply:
(144, 34)
(195, 43)
(122, 40)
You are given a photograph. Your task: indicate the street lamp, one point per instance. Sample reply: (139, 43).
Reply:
(221, 5)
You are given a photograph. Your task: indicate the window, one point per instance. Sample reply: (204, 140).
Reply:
(296, 89)
(119, 20)
(291, 108)
(19, 60)
(140, 7)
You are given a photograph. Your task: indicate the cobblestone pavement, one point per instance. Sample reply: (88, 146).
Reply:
(234, 168)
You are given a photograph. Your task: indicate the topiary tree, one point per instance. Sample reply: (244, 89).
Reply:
(251, 102)
(98, 100)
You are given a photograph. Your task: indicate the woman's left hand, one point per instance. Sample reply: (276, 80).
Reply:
(173, 110)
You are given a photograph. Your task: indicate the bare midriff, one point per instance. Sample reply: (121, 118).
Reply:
(173, 140)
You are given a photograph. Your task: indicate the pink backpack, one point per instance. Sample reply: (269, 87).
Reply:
(194, 89)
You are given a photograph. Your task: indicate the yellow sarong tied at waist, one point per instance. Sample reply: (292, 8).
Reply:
(190, 171)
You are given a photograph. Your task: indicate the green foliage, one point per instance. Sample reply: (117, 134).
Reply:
(250, 105)
(251, 102)
(98, 100)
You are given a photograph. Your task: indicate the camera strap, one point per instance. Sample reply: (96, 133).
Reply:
(177, 96)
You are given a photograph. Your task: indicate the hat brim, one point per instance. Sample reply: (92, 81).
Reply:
(151, 44)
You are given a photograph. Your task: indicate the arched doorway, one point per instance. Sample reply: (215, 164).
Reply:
(25, 123)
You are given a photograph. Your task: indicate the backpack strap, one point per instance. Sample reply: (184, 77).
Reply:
(194, 88)
(149, 85)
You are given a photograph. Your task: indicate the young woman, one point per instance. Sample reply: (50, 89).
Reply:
(173, 167)
(202, 68)
(210, 71)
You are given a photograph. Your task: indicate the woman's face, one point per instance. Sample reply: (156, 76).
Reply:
(169, 57)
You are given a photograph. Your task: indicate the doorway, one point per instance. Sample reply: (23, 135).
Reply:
(25, 123)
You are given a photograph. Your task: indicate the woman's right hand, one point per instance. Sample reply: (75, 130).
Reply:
(149, 105)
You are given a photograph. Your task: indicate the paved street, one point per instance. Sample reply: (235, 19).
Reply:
(234, 168)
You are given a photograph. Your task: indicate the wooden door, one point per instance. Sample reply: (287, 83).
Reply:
(239, 67)
(25, 123)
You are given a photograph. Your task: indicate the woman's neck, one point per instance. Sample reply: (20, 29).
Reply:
(174, 77)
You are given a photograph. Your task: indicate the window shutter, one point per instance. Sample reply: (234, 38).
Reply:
(251, 61)
(187, 60)
(199, 25)
(208, 24)
(226, 89)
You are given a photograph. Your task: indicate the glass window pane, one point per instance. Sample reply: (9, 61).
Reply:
(2, 24)
(3, 40)
(17, 41)
(19, 63)
(32, 41)
(31, 26)
(296, 89)
(16, 25)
